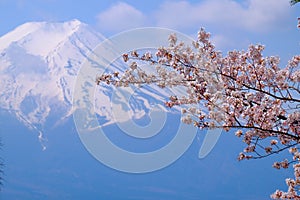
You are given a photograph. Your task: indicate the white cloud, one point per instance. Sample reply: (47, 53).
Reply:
(250, 15)
(233, 23)
(119, 17)
(221, 41)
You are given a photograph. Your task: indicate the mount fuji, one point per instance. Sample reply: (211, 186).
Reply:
(39, 64)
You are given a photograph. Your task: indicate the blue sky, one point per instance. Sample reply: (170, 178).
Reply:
(74, 174)
(233, 24)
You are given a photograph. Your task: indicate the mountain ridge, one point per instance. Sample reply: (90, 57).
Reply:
(38, 84)
(34, 79)
(57, 32)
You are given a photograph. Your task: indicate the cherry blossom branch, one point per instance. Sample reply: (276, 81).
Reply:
(242, 90)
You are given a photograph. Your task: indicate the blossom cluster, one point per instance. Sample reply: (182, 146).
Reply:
(293, 184)
(242, 90)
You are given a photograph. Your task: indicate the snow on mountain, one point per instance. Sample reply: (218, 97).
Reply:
(39, 63)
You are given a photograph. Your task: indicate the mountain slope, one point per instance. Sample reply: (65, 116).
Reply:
(39, 64)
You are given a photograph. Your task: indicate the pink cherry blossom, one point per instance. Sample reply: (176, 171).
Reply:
(242, 91)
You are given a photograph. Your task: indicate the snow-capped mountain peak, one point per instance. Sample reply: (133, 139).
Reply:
(39, 64)
(40, 38)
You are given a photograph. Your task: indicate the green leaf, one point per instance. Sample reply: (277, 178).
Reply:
(293, 2)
